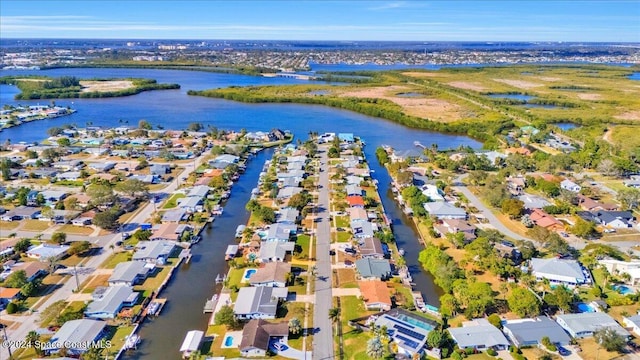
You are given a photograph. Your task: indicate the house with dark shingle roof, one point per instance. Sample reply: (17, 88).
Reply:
(256, 335)
(373, 268)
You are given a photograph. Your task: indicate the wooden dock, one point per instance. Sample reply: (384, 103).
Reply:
(210, 305)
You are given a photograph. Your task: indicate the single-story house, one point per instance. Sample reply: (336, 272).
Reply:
(82, 221)
(8, 295)
(155, 252)
(21, 213)
(224, 160)
(107, 302)
(169, 231)
(585, 324)
(633, 323)
(456, 226)
(531, 202)
(288, 215)
(373, 268)
(560, 271)
(257, 334)
(357, 214)
(355, 201)
(542, 219)
(371, 247)
(199, 191)
(362, 229)
(33, 269)
(102, 166)
(588, 204)
(570, 185)
(298, 175)
(354, 190)
(479, 334)
(75, 334)
(288, 192)
(69, 175)
(174, 216)
(529, 332)
(275, 250)
(44, 252)
(130, 273)
(375, 294)
(191, 204)
(445, 210)
(432, 192)
(280, 232)
(354, 180)
(631, 268)
(408, 330)
(159, 169)
(53, 196)
(615, 219)
(258, 302)
(273, 274)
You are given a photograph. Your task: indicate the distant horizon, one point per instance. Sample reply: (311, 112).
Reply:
(327, 40)
(379, 20)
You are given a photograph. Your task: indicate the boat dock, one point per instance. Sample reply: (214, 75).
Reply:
(210, 305)
(156, 306)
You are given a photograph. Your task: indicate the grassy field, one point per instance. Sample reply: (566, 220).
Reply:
(8, 225)
(75, 230)
(304, 241)
(115, 259)
(626, 137)
(173, 201)
(35, 225)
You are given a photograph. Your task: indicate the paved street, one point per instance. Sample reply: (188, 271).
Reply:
(31, 322)
(323, 338)
(493, 220)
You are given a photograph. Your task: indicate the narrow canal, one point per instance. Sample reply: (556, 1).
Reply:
(192, 284)
(407, 236)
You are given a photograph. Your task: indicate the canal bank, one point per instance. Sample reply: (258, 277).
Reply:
(405, 232)
(194, 283)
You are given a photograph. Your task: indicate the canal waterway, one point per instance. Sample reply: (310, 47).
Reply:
(193, 283)
(174, 109)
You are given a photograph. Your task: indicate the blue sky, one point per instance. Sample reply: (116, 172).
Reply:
(442, 20)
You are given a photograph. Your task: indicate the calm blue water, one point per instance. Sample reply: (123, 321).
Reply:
(623, 289)
(566, 126)
(585, 308)
(635, 76)
(228, 341)
(248, 273)
(540, 106)
(512, 96)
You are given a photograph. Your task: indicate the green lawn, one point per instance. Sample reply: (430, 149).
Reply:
(118, 337)
(342, 221)
(115, 259)
(173, 201)
(152, 283)
(343, 236)
(303, 241)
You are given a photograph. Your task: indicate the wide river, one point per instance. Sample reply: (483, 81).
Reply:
(174, 109)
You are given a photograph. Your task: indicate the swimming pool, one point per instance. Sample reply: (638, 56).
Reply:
(228, 341)
(248, 273)
(585, 308)
(416, 322)
(623, 289)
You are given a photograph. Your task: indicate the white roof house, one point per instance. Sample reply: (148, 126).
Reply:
(275, 250)
(76, 332)
(258, 302)
(108, 302)
(43, 252)
(444, 210)
(129, 273)
(559, 271)
(479, 334)
(585, 324)
(432, 192)
(153, 251)
(632, 322)
(570, 185)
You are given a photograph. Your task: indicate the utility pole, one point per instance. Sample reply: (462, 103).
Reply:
(6, 338)
(75, 271)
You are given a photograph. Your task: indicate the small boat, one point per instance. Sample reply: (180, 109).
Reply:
(401, 251)
(220, 279)
(239, 230)
(195, 239)
(131, 342)
(153, 308)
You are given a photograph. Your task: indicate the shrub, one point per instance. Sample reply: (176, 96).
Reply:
(12, 308)
(492, 352)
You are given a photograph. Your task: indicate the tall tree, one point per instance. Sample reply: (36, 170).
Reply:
(522, 302)
(375, 349)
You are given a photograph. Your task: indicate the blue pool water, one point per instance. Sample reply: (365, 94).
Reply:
(248, 273)
(585, 308)
(416, 322)
(512, 96)
(228, 341)
(622, 289)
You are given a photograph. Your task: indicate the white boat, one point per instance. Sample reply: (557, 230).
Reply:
(239, 230)
(401, 252)
(153, 308)
(131, 342)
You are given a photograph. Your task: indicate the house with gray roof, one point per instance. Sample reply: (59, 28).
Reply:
(275, 250)
(533, 202)
(362, 229)
(585, 324)
(130, 273)
(53, 196)
(44, 252)
(371, 247)
(354, 190)
(288, 192)
(69, 175)
(74, 334)
(290, 182)
(175, 215)
(445, 210)
(570, 185)
(280, 232)
(107, 303)
(223, 161)
(257, 334)
(102, 166)
(21, 213)
(529, 332)
(479, 334)
(159, 169)
(560, 271)
(287, 215)
(633, 323)
(258, 302)
(373, 268)
(354, 180)
(191, 204)
(199, 191)
(155, 252)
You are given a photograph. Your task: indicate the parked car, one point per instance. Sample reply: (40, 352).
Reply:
(563, 352)
(350, 251)
(332, 252)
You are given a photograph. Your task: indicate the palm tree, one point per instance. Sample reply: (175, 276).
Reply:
(32, 339)
(334, 314)
(375, 350)
(295, 327)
